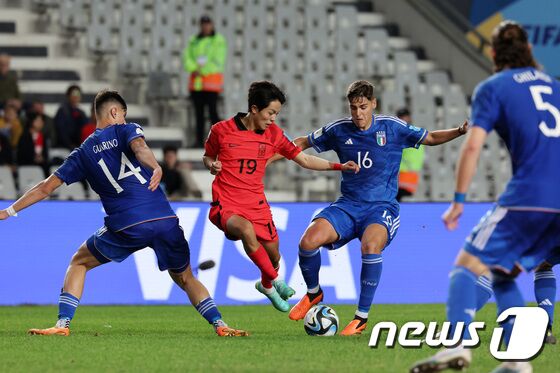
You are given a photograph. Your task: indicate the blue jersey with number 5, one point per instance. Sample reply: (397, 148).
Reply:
(378, 152)
(523, 106)
(106, 161)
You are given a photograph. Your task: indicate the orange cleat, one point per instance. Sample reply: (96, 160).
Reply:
(355, 327)
(65, 332)
(226, 331)
(300, 309)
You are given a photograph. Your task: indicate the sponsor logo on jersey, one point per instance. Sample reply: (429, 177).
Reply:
(349, 142)
(381, 138)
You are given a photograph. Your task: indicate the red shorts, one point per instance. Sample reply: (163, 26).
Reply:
(261, 218)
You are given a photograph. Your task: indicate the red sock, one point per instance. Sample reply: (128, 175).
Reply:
(261, 259)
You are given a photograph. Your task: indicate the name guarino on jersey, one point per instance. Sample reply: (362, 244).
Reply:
(105, 145)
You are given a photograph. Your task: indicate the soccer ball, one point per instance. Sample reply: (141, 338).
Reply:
(321, 320)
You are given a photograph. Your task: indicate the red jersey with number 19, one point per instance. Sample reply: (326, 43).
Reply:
(244, 154)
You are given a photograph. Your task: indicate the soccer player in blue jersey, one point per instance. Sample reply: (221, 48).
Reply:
(368, 209)
(522, 104)
(122, 169)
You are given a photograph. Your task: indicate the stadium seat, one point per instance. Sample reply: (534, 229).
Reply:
(163, 36)
(346, 50)
(28, 177)
(455, 108)
(7, 183)
(406, 72)
(391, 101)
(101, 26)
(73, 15)
(130, 57)
(203, 179)
(437, 82)
(423, 110)
(376, 51)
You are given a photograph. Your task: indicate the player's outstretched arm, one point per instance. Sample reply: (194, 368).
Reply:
(38, 193)
(144, 154)
(466, 168)
(442, 136)
(301, 142)
(319, 164)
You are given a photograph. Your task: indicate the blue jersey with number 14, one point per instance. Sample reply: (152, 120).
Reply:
(377, 150)
(106, 161)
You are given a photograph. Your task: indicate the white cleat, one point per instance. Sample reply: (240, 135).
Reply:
(514, 367)
(457, 358)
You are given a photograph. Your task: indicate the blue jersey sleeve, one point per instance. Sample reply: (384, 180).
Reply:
(411, 136)
(485, 108)
(72, 169)
(321, 140)
(132, 131)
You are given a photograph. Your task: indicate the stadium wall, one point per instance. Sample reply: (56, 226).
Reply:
(37, 246)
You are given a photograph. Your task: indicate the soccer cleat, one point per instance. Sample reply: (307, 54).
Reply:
(457, 358)
(514, 367)
(277, 301)
(50, 331)
(226, 331)
(355, 327)
(549, 338)
(283, 289)
(300, 309)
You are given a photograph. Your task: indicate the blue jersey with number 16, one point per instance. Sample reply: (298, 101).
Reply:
(377, 150)
(106, 161)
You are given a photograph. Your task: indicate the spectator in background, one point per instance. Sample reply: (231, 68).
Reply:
(70, 119)
(9, 88)
(33, 146)
(411, 164)
(90, 126)
(204, 58)
(10, 126)
(6, 152)
(38, 107)
(176, 180)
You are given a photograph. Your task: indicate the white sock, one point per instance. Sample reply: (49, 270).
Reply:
(314, 290)
(363, 315)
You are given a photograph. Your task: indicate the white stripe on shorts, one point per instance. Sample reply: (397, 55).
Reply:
(487, 227)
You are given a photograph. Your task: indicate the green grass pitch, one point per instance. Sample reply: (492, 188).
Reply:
(176, 338)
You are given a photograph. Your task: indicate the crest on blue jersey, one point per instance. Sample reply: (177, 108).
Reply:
(381, 138)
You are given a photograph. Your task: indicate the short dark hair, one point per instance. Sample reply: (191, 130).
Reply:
(402, 112)
(169, 148)
(511, 47)
(360, 88)
(106, 96)
(262, 93)
(73, 88)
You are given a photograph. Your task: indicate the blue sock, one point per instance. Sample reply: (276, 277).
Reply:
(507, 295)
(372, 264)
(207, 308)
(461, 301)
(67, 304)
(310, 263)
(545, 292)
(483, 291)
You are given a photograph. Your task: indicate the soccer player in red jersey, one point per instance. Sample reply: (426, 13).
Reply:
(237, 151)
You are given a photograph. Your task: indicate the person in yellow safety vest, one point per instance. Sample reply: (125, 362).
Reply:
(204, 59)
(411, 164)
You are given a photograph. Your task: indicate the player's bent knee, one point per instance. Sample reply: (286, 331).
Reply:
(311, 241)
(375, 247)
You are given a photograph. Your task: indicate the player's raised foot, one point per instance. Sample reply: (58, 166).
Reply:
(514, 367)
(275, 298)
(457, 358)
(549, 338)
(309, 300)
(62, 328)
(283, 289)
(355, 327)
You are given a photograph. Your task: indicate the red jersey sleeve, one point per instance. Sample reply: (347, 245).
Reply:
(212, 144)
(285, 147)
